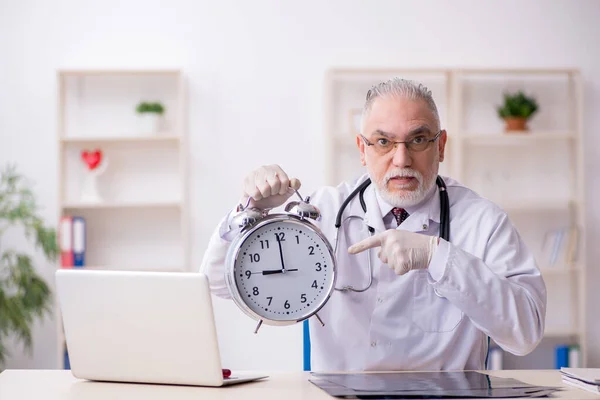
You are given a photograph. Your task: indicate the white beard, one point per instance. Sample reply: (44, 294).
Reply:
(407, 198)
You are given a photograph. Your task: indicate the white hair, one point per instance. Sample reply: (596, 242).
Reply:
(400, 88)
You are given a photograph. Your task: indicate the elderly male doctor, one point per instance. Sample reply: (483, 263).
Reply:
(431, 304)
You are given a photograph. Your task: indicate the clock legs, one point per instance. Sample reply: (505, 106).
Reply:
(320, 320)
(258, 326)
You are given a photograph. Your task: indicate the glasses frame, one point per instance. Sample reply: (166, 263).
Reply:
(396, 143)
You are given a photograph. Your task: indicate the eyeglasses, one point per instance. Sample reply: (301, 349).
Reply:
(416, 144)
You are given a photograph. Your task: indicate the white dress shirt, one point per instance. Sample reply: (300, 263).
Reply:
(483, 282)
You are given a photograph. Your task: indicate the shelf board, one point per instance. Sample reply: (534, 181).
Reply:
(121, 139)
(372, 75)
(101, 72)
(516, 71)
(123, 204)
(559, 270)
(559, 333)
(516, 138)
(533, 205)
(144, 268)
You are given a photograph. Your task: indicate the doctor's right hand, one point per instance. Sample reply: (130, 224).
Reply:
(268, 187)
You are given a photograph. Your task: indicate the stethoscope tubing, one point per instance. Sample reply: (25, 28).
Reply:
(360, 190)
(444, 206)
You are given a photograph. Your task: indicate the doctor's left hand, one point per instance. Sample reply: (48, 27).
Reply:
(402, 251)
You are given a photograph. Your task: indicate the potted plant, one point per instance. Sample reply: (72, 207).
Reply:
(150, 114)
(517, 110)
(24, 295)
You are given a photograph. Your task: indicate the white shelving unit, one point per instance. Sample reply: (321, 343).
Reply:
(141, 223)
(536, 176)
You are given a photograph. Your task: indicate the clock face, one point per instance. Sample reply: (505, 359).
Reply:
(284, 271)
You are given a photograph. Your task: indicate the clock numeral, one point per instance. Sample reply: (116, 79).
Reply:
(311, 250)
(270, 300)
(255, 291)
(280, 236)
(248, 274)
(297, 239)
(286, 305)
(314, 284)
(254, 257)
(303, 298)
(318, 265)
(264, 244)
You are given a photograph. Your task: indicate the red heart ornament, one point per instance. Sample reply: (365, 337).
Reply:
(92, 158)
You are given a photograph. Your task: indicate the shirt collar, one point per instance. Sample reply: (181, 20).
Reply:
(428, 208)
(384, 206)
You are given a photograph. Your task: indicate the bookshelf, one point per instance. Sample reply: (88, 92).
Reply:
(140, 222)
(537, 176)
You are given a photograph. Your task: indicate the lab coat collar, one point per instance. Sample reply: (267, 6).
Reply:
(429, 208)
(384, 206)
(373, 217)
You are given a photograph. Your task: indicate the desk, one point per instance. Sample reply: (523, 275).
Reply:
(61, 385)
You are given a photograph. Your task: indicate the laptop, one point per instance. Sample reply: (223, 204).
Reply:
(142, 327)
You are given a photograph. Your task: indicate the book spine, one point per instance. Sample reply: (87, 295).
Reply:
(66, 242)
(79, 241)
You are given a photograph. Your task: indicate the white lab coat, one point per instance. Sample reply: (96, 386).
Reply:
(487, 276)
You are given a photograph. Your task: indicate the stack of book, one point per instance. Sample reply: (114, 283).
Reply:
(583, 378)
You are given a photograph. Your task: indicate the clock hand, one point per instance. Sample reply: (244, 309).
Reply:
(281, 255)
(277, 271)
(272, 271)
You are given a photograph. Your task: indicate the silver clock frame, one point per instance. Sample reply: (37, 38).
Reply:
(234, 253)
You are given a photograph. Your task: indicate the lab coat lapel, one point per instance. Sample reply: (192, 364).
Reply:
(373, 216)
(423, 215)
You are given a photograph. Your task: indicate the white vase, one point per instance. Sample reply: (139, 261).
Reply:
(89, 190)
(149, 123)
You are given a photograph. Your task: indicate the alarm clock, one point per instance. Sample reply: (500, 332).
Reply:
(280, 268)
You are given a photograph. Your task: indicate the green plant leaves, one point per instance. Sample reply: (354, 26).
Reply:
(145, 107)
(24, 296)
(517, 105)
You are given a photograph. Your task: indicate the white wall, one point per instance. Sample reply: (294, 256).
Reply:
(255, 71)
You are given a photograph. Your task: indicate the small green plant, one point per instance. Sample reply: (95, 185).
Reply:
(517, 105)
(24, 295)
(146, 107)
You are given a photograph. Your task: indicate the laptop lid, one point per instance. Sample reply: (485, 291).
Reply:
(133, 326)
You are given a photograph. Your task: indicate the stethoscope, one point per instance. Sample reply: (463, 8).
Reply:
(360, 190)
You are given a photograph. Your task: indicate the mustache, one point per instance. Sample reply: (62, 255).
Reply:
(402, 173)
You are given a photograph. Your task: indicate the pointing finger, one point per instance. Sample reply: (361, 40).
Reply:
(368, 243)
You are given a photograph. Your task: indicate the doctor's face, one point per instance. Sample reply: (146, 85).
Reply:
(403, 176)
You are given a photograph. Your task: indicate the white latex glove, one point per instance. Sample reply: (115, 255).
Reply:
(402, 251)
(268, 187)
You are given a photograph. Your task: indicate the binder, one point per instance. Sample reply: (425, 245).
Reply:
(574, 356)
(561, 357)
(66, 242)
(79, 241)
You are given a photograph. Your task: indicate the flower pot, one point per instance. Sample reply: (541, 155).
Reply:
(149, 123)
(515, 124)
